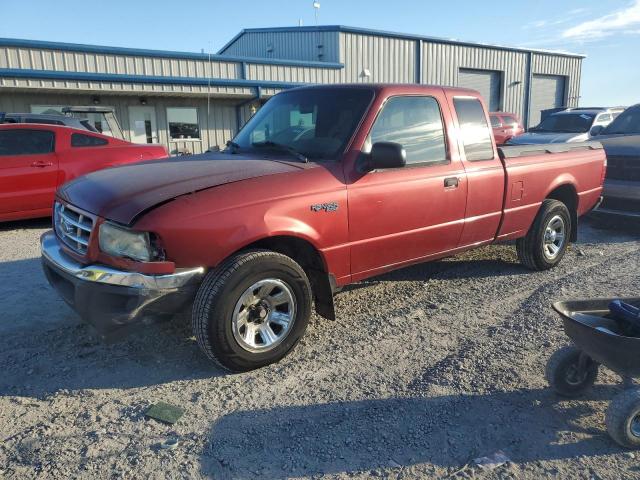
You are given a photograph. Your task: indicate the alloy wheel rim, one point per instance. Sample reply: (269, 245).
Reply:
(264, 315)
(554, 237)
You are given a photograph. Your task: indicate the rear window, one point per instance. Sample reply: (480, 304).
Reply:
(476, 136)
(566, 123)
(26, 142)
(81, 140)
(495, 121)
(510, 120)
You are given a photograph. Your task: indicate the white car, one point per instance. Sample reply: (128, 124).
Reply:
(571, 125)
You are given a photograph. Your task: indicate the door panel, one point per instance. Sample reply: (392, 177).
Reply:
(143, 124)
(27, 182)
(400, 215)
(404, 214)
(28, 170)
(485, 172)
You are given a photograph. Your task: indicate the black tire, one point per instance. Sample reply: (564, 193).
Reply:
(563, 375)
(623, 418)
(531, 248)
(221, 290)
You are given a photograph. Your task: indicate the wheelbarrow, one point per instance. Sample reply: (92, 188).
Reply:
(601, 334)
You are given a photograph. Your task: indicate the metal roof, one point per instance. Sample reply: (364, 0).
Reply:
(384, 33)
(140, 52)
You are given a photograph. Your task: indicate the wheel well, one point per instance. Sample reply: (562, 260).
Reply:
(567, 194)
(311, 261)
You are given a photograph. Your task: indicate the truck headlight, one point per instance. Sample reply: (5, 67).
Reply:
(120, 242)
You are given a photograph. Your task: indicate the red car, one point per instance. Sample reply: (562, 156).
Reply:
(505, 126)
(323, 187)
(36, 159)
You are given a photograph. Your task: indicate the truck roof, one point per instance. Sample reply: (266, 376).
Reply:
(390, 87)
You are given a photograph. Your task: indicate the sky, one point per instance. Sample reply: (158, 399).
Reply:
(607, 31)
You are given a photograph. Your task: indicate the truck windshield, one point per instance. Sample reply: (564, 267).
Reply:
(566, 123)
(628, 122)
(314, 123)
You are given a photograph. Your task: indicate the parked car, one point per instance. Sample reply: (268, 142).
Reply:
(91, 118)
(36, 159)
(250, 237)
(621, 141)
(505, 126)
(47, 119)
(572, 125)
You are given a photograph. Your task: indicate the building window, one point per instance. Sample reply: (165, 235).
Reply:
(416, 124)
(183, 123)
(476, 136)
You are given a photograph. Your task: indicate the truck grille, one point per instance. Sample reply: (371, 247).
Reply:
(73, 227)
(623, 168)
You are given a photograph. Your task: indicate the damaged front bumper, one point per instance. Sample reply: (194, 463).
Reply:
(114, 300)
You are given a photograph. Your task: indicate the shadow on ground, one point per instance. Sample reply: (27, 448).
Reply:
(34, 223)
(447, 431)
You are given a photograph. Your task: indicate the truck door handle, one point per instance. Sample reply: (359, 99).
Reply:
(451, 182)
(41, 164)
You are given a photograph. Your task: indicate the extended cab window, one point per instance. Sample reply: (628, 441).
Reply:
(416, 124)
(474, 130)
(26, 142)
(81, 140)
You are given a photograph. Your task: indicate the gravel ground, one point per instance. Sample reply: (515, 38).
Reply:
(426, 369)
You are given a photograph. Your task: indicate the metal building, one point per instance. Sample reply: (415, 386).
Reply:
(194, 101)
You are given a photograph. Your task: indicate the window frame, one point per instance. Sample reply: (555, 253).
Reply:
(461, 145)
(200, 130)
(445, 161)
(53, 142)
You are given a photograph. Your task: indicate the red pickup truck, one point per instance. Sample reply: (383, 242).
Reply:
(324, 186)
(35, 159)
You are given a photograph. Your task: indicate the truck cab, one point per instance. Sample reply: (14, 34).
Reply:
(324, 186)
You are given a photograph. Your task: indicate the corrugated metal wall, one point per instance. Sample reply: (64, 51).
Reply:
(121, 64)
(547, 64)
(287, 45)
(89, 62)
(215, 129)
(390, 60)
(441, 64)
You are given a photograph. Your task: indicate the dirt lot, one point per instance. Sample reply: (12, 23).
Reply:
(426, 369)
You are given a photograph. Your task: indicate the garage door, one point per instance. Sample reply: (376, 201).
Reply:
(547, 91)
(487, 82)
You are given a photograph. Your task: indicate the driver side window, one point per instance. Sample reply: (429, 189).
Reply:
(286, 125)
(416, 124)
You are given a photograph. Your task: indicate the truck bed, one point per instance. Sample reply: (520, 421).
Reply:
(533, 171)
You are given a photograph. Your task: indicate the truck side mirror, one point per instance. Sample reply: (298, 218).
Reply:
(387, 155)
(597, 130)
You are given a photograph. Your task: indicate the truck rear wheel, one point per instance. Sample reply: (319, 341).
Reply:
(251, 310)
(546, 242)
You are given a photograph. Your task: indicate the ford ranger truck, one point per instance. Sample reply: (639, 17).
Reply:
(324, 186)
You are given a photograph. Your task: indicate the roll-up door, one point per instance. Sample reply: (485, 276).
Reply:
(547, 91)
(487, 82)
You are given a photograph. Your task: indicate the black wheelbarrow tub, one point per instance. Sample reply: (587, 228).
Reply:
(581, 318)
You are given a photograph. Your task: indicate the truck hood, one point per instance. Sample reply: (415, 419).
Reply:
(123, 193)
(535, 138)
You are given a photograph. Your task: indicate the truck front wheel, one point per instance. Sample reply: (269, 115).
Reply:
(251, 310)
(547, 239)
